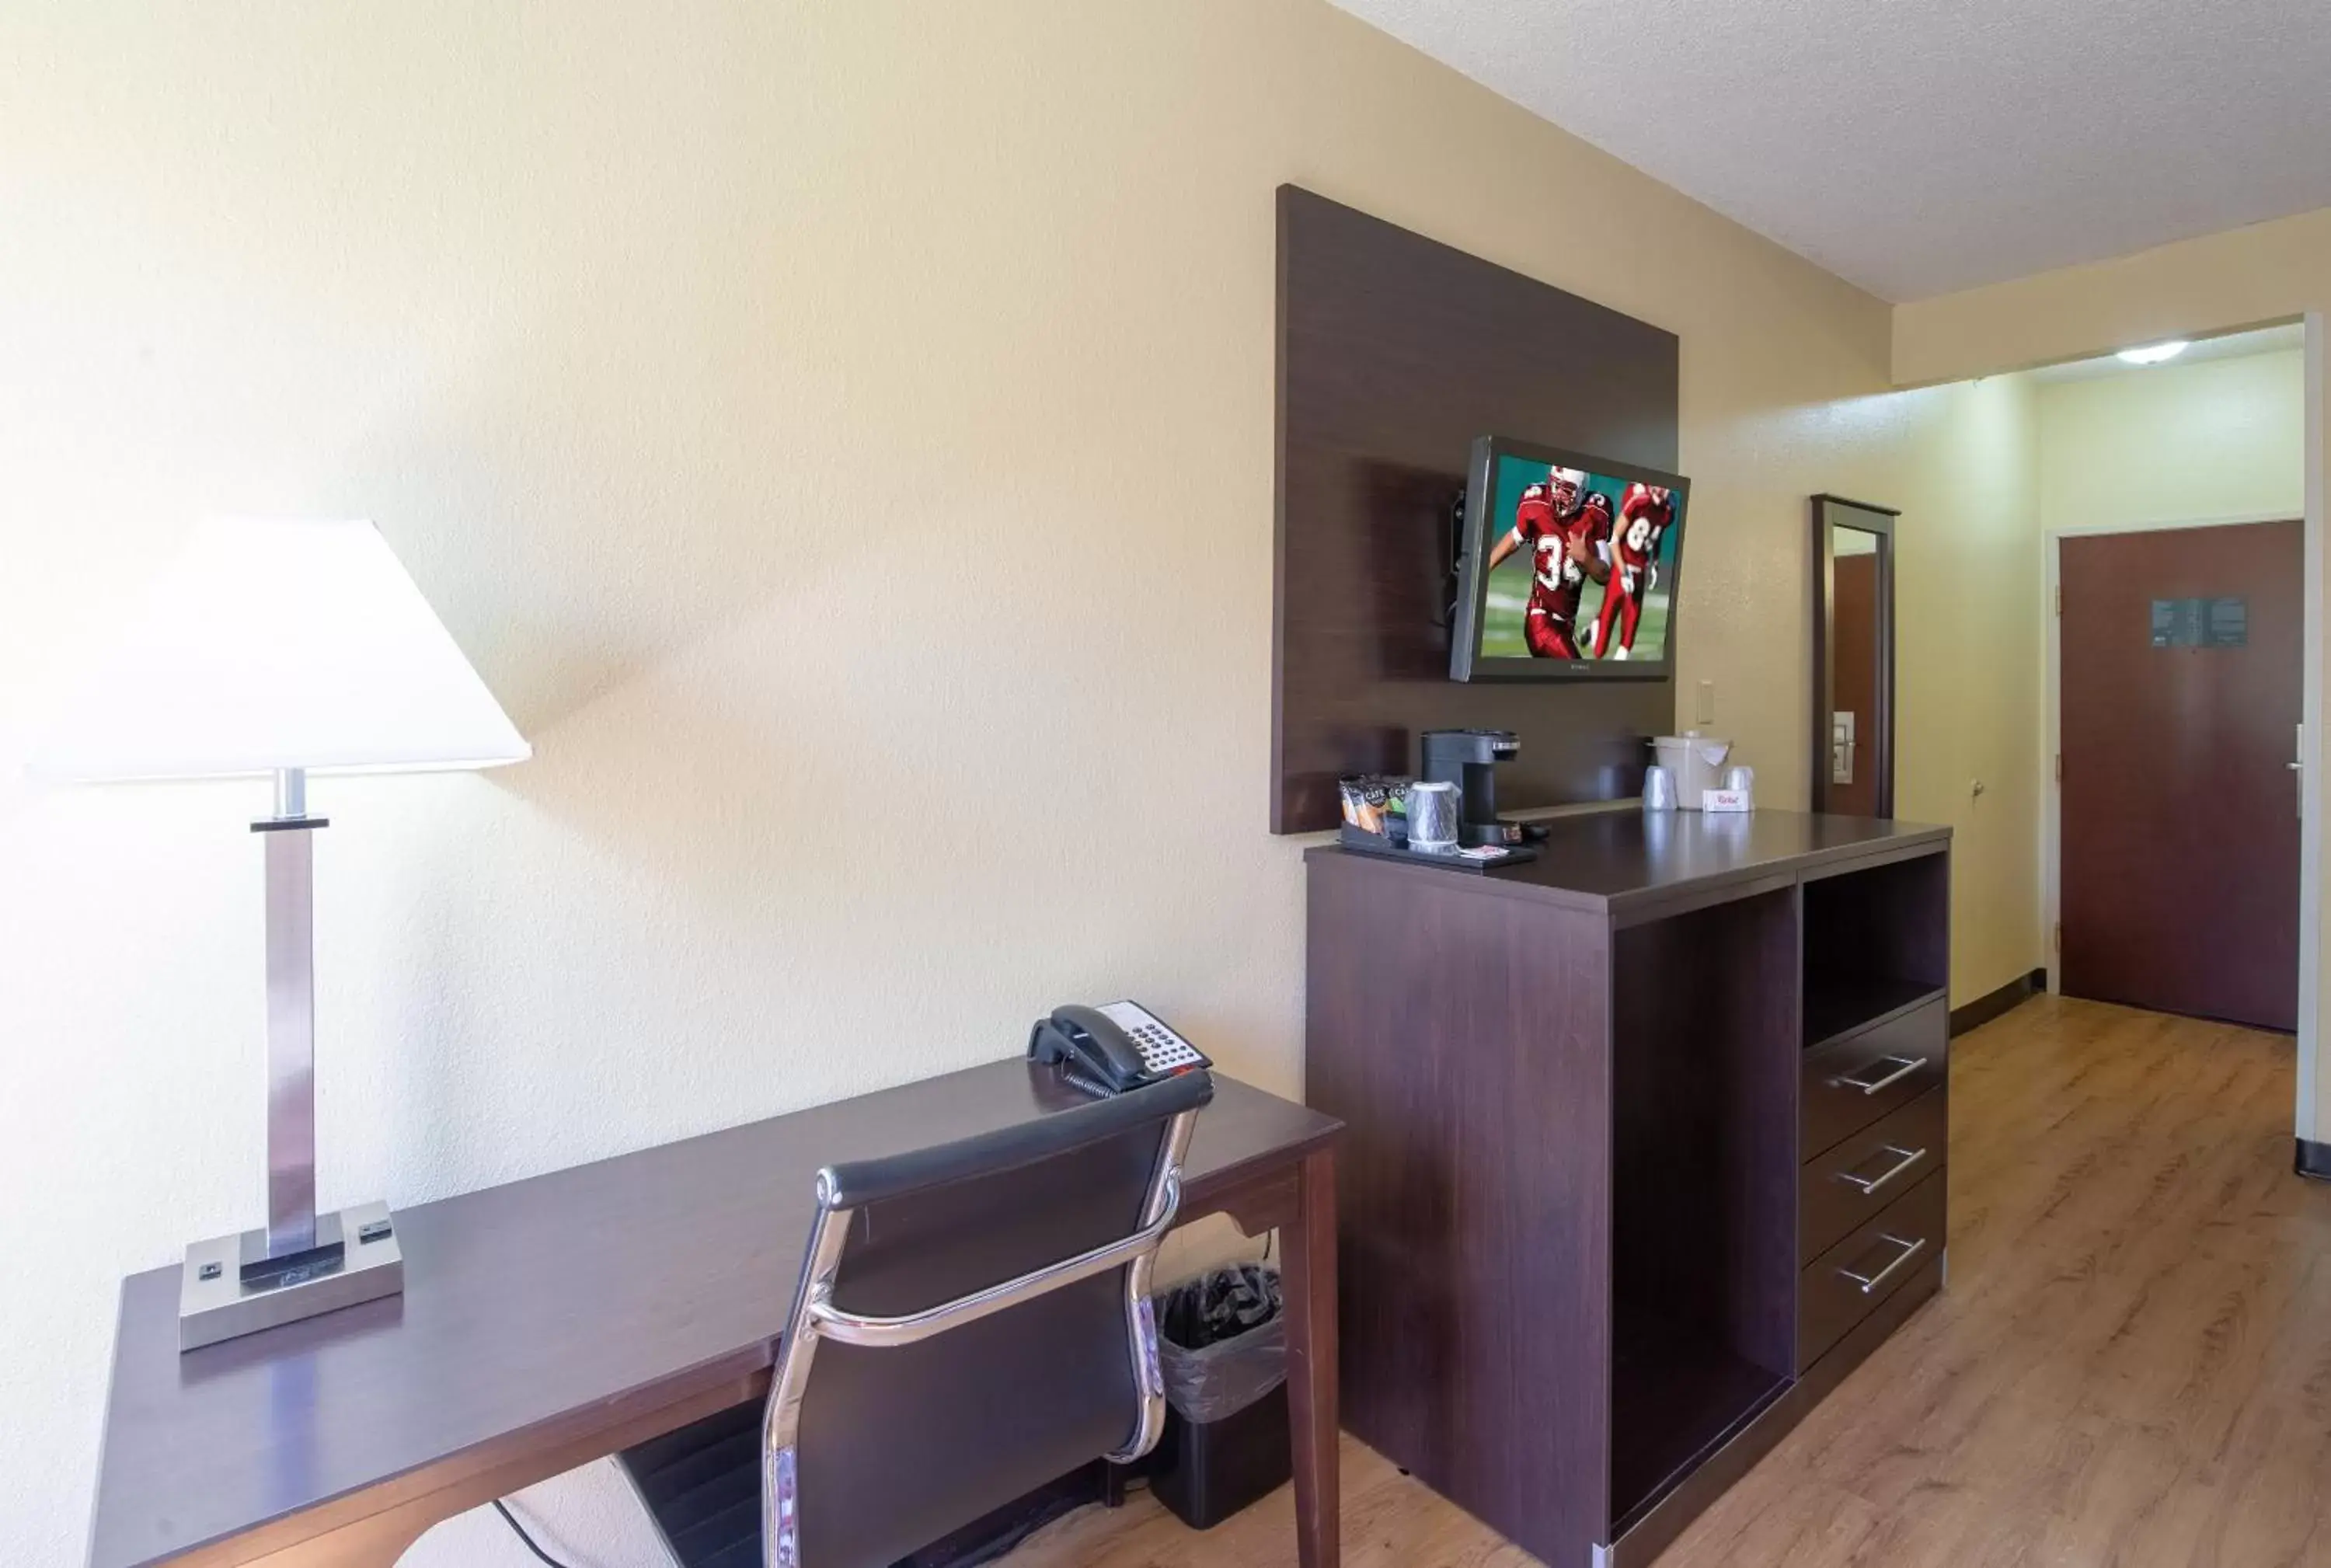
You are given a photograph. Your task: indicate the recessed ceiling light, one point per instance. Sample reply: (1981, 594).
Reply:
(2155, 353)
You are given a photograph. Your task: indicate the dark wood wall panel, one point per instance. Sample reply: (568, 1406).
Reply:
(1394, 353)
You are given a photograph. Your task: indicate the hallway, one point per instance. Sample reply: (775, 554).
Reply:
(2131, 1366)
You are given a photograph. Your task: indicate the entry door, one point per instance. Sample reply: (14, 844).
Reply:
(2180, 691)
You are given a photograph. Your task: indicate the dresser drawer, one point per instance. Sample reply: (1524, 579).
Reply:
(1845, 1284)
(1841, 1187)
(1850, 1084)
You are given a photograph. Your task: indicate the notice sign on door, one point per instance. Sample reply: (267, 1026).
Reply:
(2200, 623)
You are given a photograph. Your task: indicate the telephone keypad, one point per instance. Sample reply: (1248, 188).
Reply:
(1162, 1051)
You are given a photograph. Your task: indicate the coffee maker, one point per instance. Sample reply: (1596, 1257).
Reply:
(1468, 759)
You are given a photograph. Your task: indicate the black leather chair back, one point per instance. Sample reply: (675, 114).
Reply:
(971, 1322)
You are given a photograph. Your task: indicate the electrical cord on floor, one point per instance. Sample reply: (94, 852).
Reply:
(519, 1530)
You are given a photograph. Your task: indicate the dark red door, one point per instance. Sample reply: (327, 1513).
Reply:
(2181, 674)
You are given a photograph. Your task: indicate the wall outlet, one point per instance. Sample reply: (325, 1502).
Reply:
(1703, 706)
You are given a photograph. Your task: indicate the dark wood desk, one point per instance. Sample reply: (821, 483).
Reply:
(558, 1319)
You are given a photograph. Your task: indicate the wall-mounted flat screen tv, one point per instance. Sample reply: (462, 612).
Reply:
(1568, 567)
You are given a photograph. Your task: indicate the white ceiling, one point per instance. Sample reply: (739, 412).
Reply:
(2231, 346)
(1920, 147)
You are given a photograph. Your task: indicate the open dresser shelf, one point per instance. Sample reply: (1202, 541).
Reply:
(1839, 1006)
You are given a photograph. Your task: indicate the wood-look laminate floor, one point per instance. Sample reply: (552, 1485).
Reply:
(2130, 1366)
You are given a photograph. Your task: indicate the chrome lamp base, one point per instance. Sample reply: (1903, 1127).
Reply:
(231, 1287)
(301, 1263)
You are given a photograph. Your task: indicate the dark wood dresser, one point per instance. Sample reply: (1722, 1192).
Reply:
(1645, 1151)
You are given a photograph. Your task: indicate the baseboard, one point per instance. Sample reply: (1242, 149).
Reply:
(2008, 997)
(2312, 1159)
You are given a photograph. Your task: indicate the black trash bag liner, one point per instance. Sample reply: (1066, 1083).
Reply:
(1221, 1341)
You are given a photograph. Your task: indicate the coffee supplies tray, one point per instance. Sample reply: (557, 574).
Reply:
(1486, 859)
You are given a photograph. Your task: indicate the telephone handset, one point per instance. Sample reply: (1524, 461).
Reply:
(1106, 1050)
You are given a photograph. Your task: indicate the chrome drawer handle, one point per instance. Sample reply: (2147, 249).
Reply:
(1905, 1068)
(1869, 1185)
(1909, 1250)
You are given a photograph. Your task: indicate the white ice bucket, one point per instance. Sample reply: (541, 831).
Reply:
(1696, 760)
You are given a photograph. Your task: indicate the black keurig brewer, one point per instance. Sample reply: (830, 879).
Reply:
(1468, 759)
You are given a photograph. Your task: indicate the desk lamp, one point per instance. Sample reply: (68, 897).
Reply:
(284, 648)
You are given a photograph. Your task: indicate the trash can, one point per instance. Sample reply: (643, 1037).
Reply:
(1223, 1349)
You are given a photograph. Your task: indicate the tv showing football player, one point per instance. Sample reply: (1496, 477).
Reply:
(1568, 567)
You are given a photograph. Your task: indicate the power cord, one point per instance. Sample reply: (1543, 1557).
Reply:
(519, 1530)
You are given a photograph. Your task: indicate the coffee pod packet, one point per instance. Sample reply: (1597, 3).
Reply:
(1374, 802)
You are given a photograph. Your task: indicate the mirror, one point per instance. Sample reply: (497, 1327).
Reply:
(1853, 657)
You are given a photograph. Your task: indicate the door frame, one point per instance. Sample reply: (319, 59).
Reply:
(2168, 316)
(2052, 842)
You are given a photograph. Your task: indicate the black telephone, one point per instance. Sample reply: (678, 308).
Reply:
(1106, 1050)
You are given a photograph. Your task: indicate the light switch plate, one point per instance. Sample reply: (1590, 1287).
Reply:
(1703, 708)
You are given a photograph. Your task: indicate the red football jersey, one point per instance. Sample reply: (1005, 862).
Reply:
(1644, 516)
(1556, 580)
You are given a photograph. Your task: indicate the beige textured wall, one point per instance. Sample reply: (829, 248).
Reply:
(1968, 606)
(2175, 443)
(2249, 277)
(843, 435)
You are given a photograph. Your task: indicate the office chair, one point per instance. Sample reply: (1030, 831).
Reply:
(977, 1315)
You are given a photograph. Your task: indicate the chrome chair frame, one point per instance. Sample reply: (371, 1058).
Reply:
(814, 1317)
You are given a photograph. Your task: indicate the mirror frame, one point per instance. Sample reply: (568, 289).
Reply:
(1831, 513)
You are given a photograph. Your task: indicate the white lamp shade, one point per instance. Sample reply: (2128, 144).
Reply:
(272, 645)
